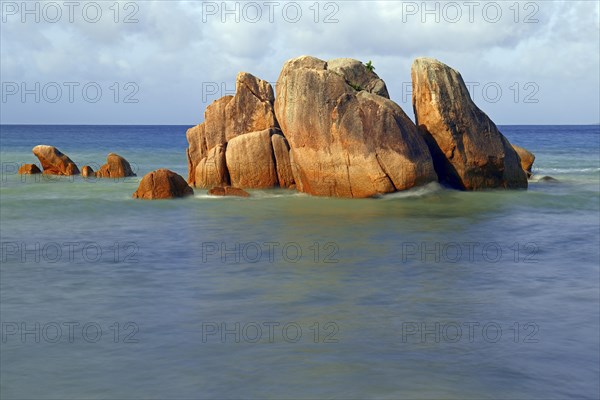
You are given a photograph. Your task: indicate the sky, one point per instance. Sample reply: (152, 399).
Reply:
(163, 62)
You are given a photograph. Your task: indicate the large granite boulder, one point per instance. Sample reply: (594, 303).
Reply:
(526, 157)
(162, 184)
(29, 169)
(468, 150)
(115, 167)
(54, 162)
(346, 142)
(250, 160)
(250, 110)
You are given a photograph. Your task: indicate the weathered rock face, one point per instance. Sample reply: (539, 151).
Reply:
(344, 142)
(54, 162)
(115, 167)
(250, 160)
(281, 151)
(228, 191)
(358, 76)
(250, 110)
(87, 171)
(468, 150)
(196, 150)
(29, 169)
(212, 169)
(162, 184)
(527, 158)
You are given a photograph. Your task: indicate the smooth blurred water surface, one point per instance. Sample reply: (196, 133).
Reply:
(360, 278)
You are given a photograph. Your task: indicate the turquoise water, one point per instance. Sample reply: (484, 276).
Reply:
(429, 293)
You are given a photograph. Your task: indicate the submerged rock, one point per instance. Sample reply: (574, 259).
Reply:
(547, 179)
(526, 157)
(87, 171)
(468, 150)
(344, 142)
(29, 169)
(54, 162)
(228, 191)
(162, 184)
(115, 167)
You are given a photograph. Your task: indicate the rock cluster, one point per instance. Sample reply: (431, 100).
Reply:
(332, 130)
(54, 162)
(233, 146)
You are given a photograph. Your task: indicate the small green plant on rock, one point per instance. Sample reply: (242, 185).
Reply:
(355, 86)
(369, 66)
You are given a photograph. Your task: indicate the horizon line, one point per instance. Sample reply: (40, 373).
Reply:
(180, 124)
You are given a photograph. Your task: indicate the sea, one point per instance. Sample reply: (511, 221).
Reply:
(425, 294)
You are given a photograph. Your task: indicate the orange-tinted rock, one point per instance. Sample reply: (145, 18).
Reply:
(356, 74)
(162, 184)
(29, 169)
(54, 162)
(87, 171)
(228, 191)
(346, 142)
(281, 151)
(250, 110)
(526, 157)
(250, 160)
(212, 169)
(115, 167)
(468, 150)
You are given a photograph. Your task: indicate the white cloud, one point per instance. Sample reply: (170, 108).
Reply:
(177, 46)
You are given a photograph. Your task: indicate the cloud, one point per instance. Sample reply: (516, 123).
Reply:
(175, 48)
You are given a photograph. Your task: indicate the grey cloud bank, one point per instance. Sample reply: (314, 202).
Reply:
(163, 62)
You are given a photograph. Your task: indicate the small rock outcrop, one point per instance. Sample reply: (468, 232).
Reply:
(87, 172)
(346, 141)
(54, 162)
(228, 191)
(162, 184)
(29, 169)
(115, 167)
(468, 150)
(526, 157)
